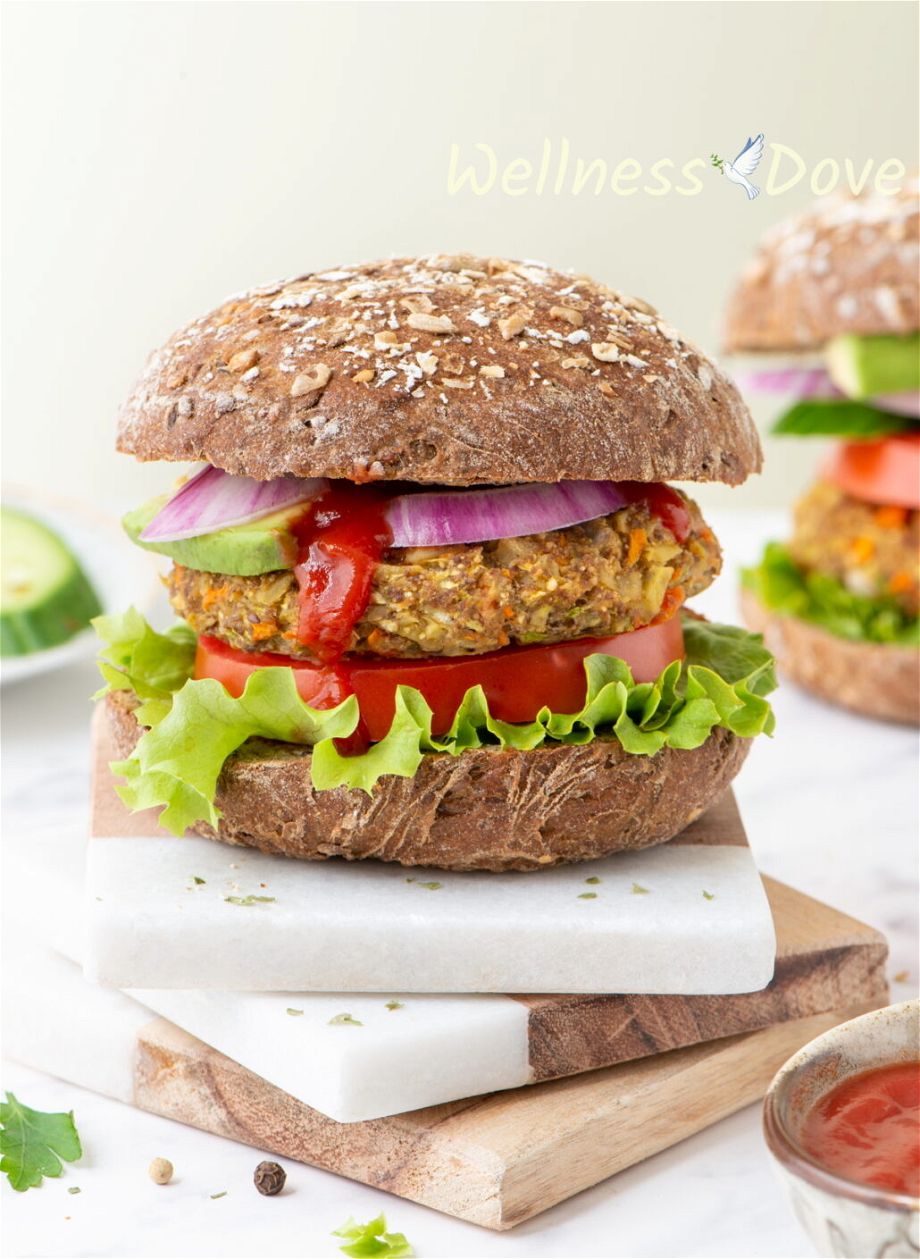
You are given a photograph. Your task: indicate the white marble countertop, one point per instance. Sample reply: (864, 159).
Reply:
(830, 805)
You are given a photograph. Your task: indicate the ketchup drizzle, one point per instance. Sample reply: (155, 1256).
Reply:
(340, 540)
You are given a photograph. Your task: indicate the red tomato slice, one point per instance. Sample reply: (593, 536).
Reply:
(518, 681)
(885, 471)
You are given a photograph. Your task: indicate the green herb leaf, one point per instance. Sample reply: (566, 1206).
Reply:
(710, 896)
(587, 896)
(594, 879)
(249, 900)
(33, 1143)
(74, 1189)
(196, 879)
(722, 683)
(293, 1013)
(432, 887)
(839, 417)
(395, 1005)
(639, 890)
(222, 1194)
(783, 587)
(345, 1019)
(372, 1239)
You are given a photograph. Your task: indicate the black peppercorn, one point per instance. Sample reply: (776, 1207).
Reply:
(269, 1178)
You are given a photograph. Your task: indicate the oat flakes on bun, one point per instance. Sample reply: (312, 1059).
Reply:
(431, 579)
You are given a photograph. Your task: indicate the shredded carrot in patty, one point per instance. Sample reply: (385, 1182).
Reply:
(212, 595)
(672, 600)
(890, 517)
(862, 550)
(637, 541)
(901, 582)
(263, 629)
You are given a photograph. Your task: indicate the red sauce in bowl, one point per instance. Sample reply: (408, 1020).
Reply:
(867, 1128)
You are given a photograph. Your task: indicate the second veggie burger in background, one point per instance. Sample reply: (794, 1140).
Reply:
(431, 575)
(833, 295)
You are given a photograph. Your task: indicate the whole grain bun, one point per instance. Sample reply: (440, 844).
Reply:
(483, 810)
(870, 678)
(451, 370)
(847, 264)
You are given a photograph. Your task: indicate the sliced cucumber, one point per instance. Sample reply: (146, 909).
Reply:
(45, 597)
(866, 367)
(262, 546)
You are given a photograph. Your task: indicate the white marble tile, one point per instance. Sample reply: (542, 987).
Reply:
(373, 928)
(428, 1050)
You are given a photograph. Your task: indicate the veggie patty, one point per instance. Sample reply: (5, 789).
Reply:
(873, 550)
(604, 577)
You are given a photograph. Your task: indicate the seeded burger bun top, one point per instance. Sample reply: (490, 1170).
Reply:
(450, 370)
(847, 264)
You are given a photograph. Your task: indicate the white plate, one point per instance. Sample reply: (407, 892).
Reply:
(121, 574)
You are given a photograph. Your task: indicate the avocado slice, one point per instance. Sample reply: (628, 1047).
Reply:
(866, 367)
(262, 546)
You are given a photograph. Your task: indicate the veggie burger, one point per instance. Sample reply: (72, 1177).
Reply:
(832, 297)
(431, 578)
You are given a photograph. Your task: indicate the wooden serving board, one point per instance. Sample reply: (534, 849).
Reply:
(496, 1160)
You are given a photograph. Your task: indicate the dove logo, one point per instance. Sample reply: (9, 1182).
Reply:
(738, 170)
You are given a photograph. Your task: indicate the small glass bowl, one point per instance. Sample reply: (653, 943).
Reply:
(842, 1218)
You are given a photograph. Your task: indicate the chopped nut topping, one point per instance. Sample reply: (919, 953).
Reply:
(417, 305)
(451, 382)
(452, 363)
(244, 359)
(362, 377)
(453, 262)
(577, 360)
(422, 322)
(177, 380)
(427, 362)
(568, 313)
(617, 338)
(606, 388)
(492, 369)
(605, 351)
(383, 340)
(512, 326)
(308, 382)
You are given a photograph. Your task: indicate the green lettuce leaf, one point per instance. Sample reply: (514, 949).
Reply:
(839, 417)
(722, 682)
(821, 599)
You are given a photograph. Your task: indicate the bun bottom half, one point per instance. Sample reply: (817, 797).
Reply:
(486, 809)
(874, 679)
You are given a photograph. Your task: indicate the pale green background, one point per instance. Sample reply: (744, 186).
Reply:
(161, 156)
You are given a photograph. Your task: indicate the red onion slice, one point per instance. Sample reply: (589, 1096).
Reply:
(799, 382)
(214, 500)
(445, 517)
(899, 403)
